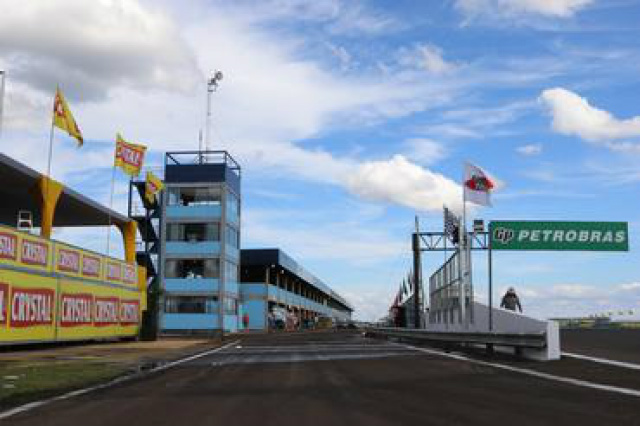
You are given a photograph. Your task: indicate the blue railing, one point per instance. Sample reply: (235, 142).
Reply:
(190, 212)
(191, 284)
(196, 247)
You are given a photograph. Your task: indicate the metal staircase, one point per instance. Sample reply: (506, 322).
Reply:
(148, 216)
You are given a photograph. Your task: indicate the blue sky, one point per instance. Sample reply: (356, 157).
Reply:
(349, 118)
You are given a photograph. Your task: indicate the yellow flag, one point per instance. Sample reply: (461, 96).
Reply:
(63, 119)
(152, 186)
(129, 156)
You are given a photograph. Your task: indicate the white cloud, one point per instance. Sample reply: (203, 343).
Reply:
(342, 55)
(399, 181)
(90, 47)
(515, 8)
(574, 115)
(424, 150)
(426, 57)
(575, 291)
(630, 287)
(345, 18)
(479, 122)
(530, 149)
(352, 19)
(371, 304)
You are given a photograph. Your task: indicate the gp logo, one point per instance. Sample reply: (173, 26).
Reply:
(503, 235)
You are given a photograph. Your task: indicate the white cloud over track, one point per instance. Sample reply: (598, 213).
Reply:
(573, 115)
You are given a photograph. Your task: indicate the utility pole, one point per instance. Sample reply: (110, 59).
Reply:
(417, 277)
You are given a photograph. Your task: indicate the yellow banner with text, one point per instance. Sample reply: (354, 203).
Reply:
(54, 291)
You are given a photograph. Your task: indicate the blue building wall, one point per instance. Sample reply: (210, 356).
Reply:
(253, 289)
(231, 287)
(233, 254)
(257, 311)
(190, 322)
(231, 323)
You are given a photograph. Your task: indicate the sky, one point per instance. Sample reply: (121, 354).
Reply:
(349, 118)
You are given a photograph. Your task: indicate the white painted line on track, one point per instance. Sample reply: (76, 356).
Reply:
(603, 360)
(547, 376)
(32, 405)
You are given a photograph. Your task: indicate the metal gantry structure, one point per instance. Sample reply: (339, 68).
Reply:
(442, 242)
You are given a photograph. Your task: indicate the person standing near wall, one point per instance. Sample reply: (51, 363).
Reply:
(511, 301)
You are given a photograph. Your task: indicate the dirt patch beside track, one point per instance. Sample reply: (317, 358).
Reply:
(31, 373)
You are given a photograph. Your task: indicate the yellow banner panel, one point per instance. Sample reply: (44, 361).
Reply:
(91, 266)
(113, 271)
(67, 260)
(8, 247)
(61, 292)
(130, 275)
(28, 307)
(89, 310)
(35, 253)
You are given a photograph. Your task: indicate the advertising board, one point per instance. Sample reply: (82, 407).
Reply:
(557, 235)
(54, 291)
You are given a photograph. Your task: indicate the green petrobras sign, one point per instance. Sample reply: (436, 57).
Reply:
(532, 235)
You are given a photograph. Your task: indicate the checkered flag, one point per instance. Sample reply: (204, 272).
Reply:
(451, 226)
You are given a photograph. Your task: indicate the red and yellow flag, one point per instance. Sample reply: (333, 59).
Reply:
(152, 186)
(129, 156)
(63, 119)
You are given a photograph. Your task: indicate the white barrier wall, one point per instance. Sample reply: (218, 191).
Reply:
(505, 321)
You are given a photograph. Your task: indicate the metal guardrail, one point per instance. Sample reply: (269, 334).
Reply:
(516, 340)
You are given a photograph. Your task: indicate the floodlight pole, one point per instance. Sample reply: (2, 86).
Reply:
(212, 85)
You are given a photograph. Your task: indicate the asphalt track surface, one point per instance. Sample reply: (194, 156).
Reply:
(343, 378)
(621, 344)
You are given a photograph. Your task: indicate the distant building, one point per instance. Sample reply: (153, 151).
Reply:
(272, 282)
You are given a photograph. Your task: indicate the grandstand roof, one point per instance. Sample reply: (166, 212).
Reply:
(19, 191)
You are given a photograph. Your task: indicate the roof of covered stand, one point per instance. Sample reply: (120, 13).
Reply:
(19, 191)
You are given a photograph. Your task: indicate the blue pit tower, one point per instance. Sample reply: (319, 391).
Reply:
(200, 243)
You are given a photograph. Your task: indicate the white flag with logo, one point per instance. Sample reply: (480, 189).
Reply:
(477, 185)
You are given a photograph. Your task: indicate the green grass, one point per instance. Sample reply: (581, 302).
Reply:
(36, 380)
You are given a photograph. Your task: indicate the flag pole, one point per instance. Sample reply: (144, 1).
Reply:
(50, 149)
(53, 121)
(465, 242)
(464, 206)
(113, 178)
